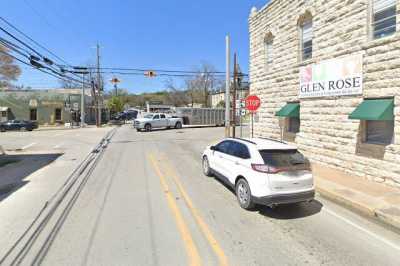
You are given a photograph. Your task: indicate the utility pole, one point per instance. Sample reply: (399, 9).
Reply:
(83, 71)
(99, 89)
(227, 89)
(234, 95)
(83, 101)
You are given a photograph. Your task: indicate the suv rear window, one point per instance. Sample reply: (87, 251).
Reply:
(284, 158)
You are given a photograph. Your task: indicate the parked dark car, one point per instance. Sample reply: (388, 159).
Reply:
(126, 115)
(18, 125)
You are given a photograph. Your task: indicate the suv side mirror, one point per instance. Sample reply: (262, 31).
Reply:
(213, 148)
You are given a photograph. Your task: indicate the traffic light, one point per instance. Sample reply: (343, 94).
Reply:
(150, 74)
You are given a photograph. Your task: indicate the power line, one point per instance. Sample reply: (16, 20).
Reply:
(32, 40)
(29, 47)
(52, 73)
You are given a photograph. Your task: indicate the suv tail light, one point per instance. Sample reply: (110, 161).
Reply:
(264, 168)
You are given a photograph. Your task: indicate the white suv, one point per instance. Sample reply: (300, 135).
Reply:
(262, 171)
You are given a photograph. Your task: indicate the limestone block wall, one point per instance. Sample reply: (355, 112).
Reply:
(341, 28)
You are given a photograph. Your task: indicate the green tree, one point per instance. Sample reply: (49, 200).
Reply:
(115, 104)
(221, 104)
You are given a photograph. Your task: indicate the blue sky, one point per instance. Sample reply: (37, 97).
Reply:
(173, 34)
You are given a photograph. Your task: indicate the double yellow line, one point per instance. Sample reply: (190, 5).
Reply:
(187, 238)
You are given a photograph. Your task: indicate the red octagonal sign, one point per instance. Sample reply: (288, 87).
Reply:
(252, 103)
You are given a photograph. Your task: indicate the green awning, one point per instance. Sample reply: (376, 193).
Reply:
(290, 110)
(380, 109)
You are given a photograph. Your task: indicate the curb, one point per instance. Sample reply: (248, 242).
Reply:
(374, 213)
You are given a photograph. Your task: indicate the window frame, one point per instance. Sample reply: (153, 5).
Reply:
(372, 21)
(55, 114)
(302, 41)
(381, 142)
(268, 53)
(289, 127)
(30, 114)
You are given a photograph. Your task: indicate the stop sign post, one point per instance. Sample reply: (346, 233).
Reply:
(252, 105)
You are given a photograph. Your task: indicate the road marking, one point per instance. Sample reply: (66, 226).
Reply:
(190, 246)
(28, 146)
(203, 226)
(387, 242)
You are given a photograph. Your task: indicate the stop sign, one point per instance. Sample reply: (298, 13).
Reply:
(252, 103)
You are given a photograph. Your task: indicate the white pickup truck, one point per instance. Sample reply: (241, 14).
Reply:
(157, 120)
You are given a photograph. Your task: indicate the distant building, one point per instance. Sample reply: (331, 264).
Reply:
(218, 96)
(47, 107)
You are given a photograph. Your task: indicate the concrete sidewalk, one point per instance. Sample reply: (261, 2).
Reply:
(363, 196)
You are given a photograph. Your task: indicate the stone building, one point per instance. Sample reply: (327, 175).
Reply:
(218, 95)
(327, 73)
(47, 107)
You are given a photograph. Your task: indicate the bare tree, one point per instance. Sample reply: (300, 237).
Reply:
(176, 96)
(202, 84)
(8, 70)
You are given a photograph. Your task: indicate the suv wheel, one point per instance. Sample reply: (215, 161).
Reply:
(206, 167)
(243, 195)
(147, 127)
(178, 125)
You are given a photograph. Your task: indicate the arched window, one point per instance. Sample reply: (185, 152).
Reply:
(306, 36)
(269, 50)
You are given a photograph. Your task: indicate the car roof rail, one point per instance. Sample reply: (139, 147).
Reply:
(246, 140)
(271, 139)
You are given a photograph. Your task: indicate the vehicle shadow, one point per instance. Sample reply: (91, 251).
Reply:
(283, 212)
(14, 169)
(291, 211)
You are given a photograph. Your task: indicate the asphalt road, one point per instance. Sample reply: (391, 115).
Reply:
(148, 203)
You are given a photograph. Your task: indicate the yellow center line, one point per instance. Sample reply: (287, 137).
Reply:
(203, 226)
(189, 244)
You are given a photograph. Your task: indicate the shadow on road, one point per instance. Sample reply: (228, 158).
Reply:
(291, 211)
(19, 167)
(284, 212)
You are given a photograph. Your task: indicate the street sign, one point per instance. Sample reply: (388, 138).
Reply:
(252, 103)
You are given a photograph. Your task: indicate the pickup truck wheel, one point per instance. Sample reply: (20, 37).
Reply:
(178, 125)
(206, 167)
(243, 194)
(147, 127)
(2, 129)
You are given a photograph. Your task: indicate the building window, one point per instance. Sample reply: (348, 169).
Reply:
(269, 53)
(58, 114)
(306, 40)
(293, 125)
(379, 132)
(383, 18)
(33, 114)
(3, 113)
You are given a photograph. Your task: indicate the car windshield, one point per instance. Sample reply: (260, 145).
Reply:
(283, 158)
